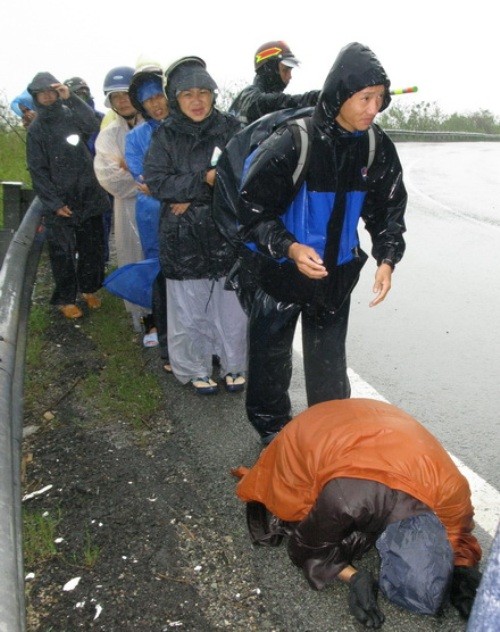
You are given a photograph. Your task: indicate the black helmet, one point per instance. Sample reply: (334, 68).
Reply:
(80, 87)
(76, 83)
(142, 74)
(276, 50)
(117, 80)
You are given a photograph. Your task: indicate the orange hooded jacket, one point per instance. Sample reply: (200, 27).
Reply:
(364, 439)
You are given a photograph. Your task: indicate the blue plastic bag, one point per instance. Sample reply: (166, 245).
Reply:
(134, 282)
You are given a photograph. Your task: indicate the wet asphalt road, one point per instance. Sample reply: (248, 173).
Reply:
(432, 349)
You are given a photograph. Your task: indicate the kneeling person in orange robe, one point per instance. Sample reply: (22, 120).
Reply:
(347, 475)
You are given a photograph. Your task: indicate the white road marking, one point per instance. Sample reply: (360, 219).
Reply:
(485, 498)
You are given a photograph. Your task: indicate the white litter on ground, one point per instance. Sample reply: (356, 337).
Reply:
(72, 584)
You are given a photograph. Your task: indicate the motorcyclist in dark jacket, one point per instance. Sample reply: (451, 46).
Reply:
(204, 319)
(273, 64)
(63, 177)
(305, 256)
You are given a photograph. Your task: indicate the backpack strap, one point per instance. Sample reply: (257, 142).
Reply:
(300, 130)
(372, 146)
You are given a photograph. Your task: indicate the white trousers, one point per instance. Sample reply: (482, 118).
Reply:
(204, 320)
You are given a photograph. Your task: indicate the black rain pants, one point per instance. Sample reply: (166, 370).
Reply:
(271, 332)
(76, 255)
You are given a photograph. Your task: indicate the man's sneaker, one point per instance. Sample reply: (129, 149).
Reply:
(234, 382)
(93, 301)
(204, 385)
(71, 311)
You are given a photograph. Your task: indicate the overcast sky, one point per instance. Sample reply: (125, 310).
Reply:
(448, 51)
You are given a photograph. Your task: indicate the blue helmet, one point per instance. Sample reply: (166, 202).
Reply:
(117, 80)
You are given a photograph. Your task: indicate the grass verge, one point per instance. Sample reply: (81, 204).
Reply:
(39, 534)
(96, 365)
(116, 380)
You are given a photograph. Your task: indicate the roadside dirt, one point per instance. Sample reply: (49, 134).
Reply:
(133, 499)
(148, 519)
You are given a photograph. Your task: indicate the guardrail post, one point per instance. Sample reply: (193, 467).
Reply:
(6, 235)
(16, 201)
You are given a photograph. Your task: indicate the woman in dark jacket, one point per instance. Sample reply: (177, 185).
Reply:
(73, 202)
(204, 319)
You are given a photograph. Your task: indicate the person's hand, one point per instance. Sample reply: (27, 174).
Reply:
(307, 260)
(61, 89)
(179, 207)
(464, 585)
(143, 188)
(363, 599)
(28, 117)
(382, 284)
(64, 211)
(210, 177)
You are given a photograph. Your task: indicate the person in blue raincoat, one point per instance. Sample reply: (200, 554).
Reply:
(24, 106)
(485, 614)
(147, 96)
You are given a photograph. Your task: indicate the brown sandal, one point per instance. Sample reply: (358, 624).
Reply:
(71, 311)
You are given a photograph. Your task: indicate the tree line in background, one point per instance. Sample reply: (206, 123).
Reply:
(419, 117)
(428, 117)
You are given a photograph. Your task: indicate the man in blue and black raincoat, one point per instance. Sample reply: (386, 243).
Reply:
(302, 254)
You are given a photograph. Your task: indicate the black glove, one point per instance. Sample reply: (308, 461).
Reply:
(363, 599)
(464, 585)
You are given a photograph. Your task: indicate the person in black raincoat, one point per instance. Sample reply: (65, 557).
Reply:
(79, 86)
(204, 319)
(304, 257)
(61, 169)
(273, 62)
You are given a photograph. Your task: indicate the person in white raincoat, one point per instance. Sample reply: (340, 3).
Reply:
(115, 178)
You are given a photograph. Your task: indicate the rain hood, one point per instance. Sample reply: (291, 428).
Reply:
(355, 68)
(41, 81)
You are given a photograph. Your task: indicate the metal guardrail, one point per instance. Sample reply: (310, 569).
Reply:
(17, 277)
(16, 199)
(402, 135)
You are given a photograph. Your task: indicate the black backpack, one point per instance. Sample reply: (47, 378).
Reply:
(282, 280)
(231, 163)
(244, 146)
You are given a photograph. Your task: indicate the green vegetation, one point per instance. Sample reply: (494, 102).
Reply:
(124, 389)
(39, 534)
(39, 321)
(427, 117)
(121, 389)
(13, 166)
(91, 551)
